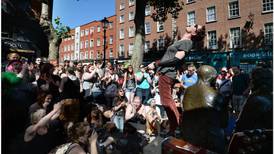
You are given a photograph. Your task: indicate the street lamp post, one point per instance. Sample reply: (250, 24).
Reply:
(105, 26)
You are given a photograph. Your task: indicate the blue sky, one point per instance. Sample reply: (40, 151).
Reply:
(74, 13)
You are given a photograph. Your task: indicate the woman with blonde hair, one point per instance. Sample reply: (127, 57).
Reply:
(44, 132)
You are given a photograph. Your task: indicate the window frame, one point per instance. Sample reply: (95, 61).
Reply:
(86, 55)
(160, 25)
(160, 43)
(111, 39)
(147, 10)
(147, 28)
(91, 30)
(131, 16)
(269, 34)
(230, 10)
(263, 7)
(147, 46)
(122, 5)
(98, 29)
(130, 49)
(98, 42)
(190, 1)
(91, 54)
(131, 2)
(91, 43)
(210, 15)
(191, 20)
(81, 44)
(86, 44)
(111, 53)
(122, 18)
(232, 38)
(82, 33)
(86, 32)
(209, 42)
(121, 46)
(122, 33)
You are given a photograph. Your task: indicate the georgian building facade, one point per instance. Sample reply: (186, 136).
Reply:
(86, 42)
(230, 25)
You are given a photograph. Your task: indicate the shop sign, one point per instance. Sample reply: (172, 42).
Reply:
(256, 55)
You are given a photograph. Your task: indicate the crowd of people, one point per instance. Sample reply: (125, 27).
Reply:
(100, 108)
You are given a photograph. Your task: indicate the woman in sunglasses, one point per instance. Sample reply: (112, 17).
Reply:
(168, 66)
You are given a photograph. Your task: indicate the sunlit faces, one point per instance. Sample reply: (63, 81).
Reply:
(193, 29)
(79, 66)
(121, 92)
(38, 61)
(47, 100)
(13, 56)
(137, 101)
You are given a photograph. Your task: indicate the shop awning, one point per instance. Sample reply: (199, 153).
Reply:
(10, 44)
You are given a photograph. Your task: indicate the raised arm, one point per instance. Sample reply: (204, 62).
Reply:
(130, 112)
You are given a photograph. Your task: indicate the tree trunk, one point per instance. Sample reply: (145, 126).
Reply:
(54, 43)
(47, 26)
(139, 20)
(44, 18)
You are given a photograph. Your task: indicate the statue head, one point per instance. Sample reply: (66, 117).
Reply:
(206, 74)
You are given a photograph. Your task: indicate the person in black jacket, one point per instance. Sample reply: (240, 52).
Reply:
(259, 105)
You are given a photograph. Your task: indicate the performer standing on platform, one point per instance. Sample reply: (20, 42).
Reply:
(168, 66)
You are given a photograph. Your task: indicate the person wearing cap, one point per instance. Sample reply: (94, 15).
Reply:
(168, 66)
(223, 84)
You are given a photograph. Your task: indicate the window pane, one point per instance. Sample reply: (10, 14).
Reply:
(147, 10)
(191, 18)
(212, 40)
(147, 28)
(160, 26)
(268, 34)
(211, 14)
(235, 37)
(267, 5)
(122, 33)
(233, 9)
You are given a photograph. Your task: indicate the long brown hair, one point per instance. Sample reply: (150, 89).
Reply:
(76, 131)
(200, 35)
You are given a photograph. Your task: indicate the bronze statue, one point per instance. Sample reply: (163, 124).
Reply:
(204, 113)
(201, 94)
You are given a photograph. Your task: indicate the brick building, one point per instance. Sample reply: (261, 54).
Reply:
(156, 32)
(87, 42)
(230, 25)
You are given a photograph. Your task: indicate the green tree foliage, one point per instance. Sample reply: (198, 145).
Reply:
(61, 30)
(161, 10)
(164, 7)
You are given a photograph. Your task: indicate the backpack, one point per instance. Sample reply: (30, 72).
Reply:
(111, 90)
